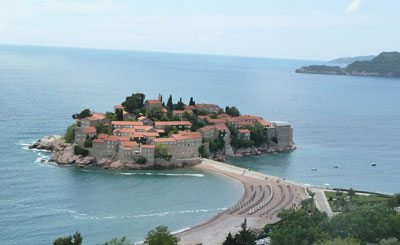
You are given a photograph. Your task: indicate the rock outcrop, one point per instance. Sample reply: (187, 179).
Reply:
(64, 155)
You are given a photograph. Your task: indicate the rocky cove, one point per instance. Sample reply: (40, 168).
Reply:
(64, 155)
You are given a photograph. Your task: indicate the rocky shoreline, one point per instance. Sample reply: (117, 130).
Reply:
(64, 155)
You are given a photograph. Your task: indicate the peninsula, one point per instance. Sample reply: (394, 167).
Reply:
(386, 64)
(152, 134)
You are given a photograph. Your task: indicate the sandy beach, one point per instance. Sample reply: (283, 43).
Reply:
(264, 196)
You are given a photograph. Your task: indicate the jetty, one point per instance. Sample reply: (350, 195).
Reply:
(263, 197)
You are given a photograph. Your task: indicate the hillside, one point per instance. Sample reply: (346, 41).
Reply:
(349, 60)
(386, 64)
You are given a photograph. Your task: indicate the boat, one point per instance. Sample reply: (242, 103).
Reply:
(336, 167)
(314, 169)
(373, 164)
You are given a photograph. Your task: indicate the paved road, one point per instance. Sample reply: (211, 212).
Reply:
(321, 202)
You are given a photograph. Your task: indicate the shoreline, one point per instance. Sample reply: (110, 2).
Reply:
(217, 227)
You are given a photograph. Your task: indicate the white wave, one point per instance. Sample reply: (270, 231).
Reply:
(76, 215)
(164, 174)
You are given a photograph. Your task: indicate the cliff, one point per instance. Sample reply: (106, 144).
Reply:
(321, 69)
(64, 155)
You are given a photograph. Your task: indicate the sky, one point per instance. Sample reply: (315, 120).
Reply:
(296, 29)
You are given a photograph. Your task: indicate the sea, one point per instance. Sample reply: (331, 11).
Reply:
(341, 125)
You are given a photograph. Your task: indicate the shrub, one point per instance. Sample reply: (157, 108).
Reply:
(69, 135)
(68, 240)
(79, 150)
(141, 160)
(161, 151)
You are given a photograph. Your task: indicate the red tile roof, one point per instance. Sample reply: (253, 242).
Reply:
(129, 143)
(127, 123)
(211, 120)
(125, 130)
(264, 123)
(206, 105)
(90, 130)
(244, 131)
(246, 123)
(190, 107)
(187, 135)
(148, 146)
(151, 134)
(153, 102)
(221, 127)
(159, 140)
(174, 123)
(98, 141)
(118, 107)
(102, 136)
(136, 135)
(111, 138)
(160, 130)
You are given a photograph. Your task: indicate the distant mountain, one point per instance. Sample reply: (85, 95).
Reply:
(386, 64)
(349, 60)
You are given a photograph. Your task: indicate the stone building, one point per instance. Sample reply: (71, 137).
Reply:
(181, 125)
(210, 108)
(81, 134)
(151, 104)
(280, 134)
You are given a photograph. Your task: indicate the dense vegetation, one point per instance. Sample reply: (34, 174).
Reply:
(161, 151)
(75, 239)
(79, 150)
(82, 114)
(385, 64)
(69, 135)
(244, 236)
(159, 236)
(134, 103)
(321, 69)
(365, 224)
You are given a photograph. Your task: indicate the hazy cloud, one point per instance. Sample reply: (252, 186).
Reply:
(353, 6)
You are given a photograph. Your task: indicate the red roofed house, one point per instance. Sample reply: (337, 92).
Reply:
(146, 121)
(190, 107)
(181, 125)
(81, 134)
(125, 124)
(210, 108)
(244, 134)
(151, 104)
(181, 113)
(214, 131)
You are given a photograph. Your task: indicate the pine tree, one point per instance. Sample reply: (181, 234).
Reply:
(192, 102)
(169, 103)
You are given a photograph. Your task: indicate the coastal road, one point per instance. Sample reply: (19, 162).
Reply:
(321, 202)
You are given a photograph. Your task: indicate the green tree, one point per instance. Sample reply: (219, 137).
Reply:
(161, 236)
(79, 150)
(367, 224)
(102, 128)
(156, 114)
(180, 105)
(119, 115)
(192, 102)
(141, 160)
(258, 134)
(76, 239)
(232, 111)
(351, 193)
(69, 135)
(116, 241)
(169, 103)
(82, 114)
(245, 235)
(134, 103)
(161, 151)
(229, 240)
(88, 142)
(112, 116)
(394, 201)
(299, 227)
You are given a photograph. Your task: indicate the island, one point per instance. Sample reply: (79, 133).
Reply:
(152, 134)
(386, 64)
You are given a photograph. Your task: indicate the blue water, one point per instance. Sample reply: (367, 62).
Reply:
(338, 121)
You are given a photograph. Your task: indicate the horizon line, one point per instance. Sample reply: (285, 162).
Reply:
(156, 51)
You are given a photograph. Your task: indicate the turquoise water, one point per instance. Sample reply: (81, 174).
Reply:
(341, 121)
